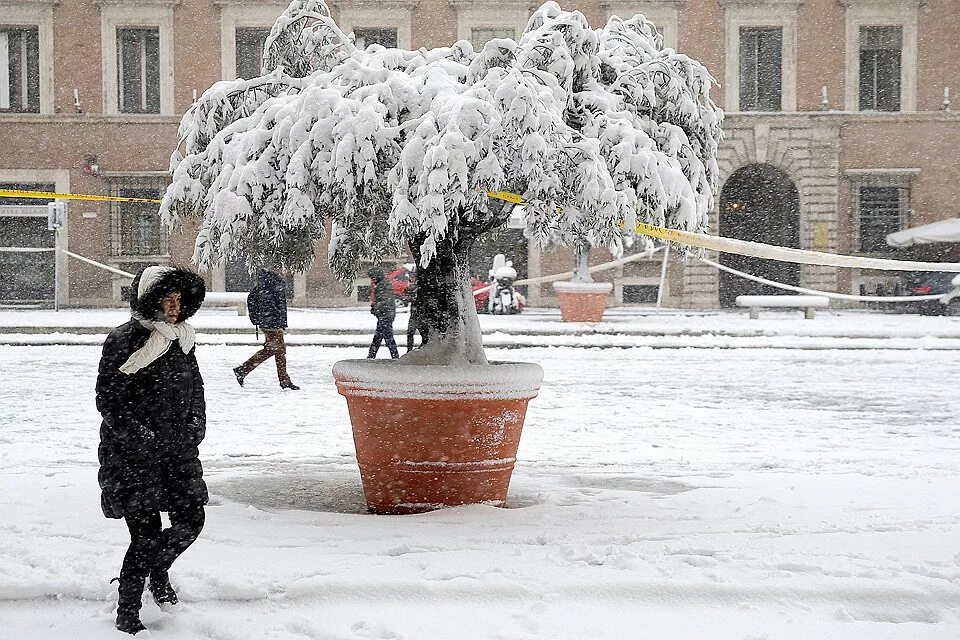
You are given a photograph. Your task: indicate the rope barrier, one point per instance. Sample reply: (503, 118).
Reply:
(786, 254)
(99, 264)
(699, 240)
(567, 274)
(50, 195)
(827, 294)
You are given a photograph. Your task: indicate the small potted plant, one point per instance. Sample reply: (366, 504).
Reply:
(582, 299)
(384, 149)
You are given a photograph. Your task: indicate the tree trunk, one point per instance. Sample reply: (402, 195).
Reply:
(447, 308)
(581, 266)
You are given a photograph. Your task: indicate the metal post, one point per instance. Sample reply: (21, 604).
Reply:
(663, 275)
(56, 215)
(56, 270)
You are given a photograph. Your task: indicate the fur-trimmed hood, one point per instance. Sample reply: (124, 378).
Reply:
(159, 282)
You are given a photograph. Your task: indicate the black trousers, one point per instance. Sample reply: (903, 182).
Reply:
(384, 333)
(153, 549)
(414, 325)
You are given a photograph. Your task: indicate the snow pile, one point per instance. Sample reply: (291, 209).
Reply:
(389, 378)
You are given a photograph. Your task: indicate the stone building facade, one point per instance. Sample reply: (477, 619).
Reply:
(839, 129)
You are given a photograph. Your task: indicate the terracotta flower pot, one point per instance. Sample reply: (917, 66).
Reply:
(582, 301)
(429, 436)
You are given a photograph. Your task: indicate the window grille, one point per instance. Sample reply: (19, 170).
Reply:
(250, 41)
(138, 71)
(384, 36)
(881, 206)
(480, 36)
(135, 226)
(19, 69)
(880, 60)
(761, 68)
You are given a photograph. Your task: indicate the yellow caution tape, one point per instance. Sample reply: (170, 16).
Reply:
(507, 197)
(47, 195)
(700, 240)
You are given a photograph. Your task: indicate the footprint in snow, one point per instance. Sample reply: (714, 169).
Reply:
(375, 632)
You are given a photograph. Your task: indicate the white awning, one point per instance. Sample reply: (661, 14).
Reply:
(941, 231)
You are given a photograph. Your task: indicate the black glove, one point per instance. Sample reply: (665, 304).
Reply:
(196, 429)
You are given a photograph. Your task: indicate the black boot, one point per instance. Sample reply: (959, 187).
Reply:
(128, 621)
(160, 587)
(128, 606)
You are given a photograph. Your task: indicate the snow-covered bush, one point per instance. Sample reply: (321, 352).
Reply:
(395, 149)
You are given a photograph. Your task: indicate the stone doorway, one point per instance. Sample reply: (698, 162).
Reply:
(759, 203)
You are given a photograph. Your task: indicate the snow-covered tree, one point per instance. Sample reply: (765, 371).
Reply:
(396, 149)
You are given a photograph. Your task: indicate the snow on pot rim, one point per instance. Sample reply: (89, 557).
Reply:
(391, 378)
(583, 287)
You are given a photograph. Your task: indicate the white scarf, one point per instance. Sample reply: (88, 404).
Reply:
(162, 334)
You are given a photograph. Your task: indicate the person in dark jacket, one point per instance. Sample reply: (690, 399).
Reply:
(384, 306)
(271, 317)
(415, 323)
(150, 395)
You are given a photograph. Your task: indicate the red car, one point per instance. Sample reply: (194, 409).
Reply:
(402, 277)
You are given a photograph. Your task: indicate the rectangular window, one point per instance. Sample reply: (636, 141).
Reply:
(20, 69)
(882, 207)
(138, 52)
(640, 293)
(384, 36)
(761, 68)
(881, 51)
(250, 41)
(480, 36)
(135, 226)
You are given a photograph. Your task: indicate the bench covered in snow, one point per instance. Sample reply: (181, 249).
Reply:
(808, 303)
(227, 299)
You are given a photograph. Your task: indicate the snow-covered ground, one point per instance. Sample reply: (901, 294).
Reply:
(660, 493)
(622, 327)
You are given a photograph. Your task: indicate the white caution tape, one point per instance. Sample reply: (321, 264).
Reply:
(703, 241)
(827, 294)
(786, 254)
(566, 275)
(98, 264)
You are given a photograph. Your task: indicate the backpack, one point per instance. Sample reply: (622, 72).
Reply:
(253, 306)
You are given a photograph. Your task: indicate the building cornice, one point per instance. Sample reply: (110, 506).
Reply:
(126, 4)
(48, 4)
(91, 119)
(487, 4)
(653, 4)
(789, 4)
(248, 3)
(380, 4)
(881, 4)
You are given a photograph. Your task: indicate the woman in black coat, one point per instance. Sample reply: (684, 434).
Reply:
(270, 315)
(150, 394)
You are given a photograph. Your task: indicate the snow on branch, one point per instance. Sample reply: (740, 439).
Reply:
(393, 148)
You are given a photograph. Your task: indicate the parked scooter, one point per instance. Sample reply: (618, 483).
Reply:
(504, 299)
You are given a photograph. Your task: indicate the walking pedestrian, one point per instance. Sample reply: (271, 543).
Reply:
(415, 322)
(383, 305)
(150, 395)
(269, 313)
